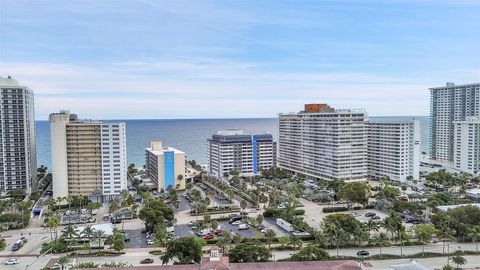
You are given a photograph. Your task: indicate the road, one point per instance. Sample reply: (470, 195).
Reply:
(407, 251)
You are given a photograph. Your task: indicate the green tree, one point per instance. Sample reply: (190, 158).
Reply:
(52, 224)
(311, 253)
(186, 250)
(98, 236)
(224, 241)
(249, 252)
(447, 267)
(70, 234)
(88, 234)
(114, 206)
(381, 240)
(161, 236)
(118, 242)
(355, 192)
(458, 259)
(474, 234)
(64, 262)
(270, 235)
(243, 204)
(156, 212)
(393, 223)
(425, 233)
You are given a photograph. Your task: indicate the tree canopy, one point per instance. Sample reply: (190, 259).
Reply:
(156, 212)
(184, 250)
(311, 253)
(355, 192)
(249, 252)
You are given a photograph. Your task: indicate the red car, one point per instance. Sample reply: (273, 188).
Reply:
(147, 260)
(218, 231)
(208, 237)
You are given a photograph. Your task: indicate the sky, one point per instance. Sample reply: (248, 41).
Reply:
(139, 59)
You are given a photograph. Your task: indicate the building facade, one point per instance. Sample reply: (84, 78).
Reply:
(88, 157)
(18, 161)
(393, 149)
(467, 145)
(165, 166)
(323, 142)
(448, 104)
(231, 150)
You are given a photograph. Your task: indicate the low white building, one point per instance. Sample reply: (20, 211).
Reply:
(165, 166)
(467, 145)
(393, 149)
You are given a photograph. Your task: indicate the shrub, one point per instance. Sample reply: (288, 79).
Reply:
(270, 212)
(335, 209)
(299, 212)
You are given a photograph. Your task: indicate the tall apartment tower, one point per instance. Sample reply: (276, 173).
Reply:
(231, 150)
(18, 161)
(323, 142)
(393, 149)
(164, 166)
(467, 145)
(88, 157)
(448, 104)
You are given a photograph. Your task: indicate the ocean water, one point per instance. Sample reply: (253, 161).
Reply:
(188, 135)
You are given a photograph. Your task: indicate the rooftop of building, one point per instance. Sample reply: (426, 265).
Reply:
(322, 109)
(453, 85)
(157, 148)
(8, 81)
(223, 264)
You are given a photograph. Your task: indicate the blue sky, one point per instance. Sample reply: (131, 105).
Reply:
(123, 59)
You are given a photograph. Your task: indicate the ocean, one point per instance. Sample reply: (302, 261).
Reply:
(189, 135)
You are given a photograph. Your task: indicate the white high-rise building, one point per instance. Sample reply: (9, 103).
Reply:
(88, 157)
(323, 142)
(231, 150)
(393, 149)
(448, 104)
(18, 161)
(467, 145)
(165, 166)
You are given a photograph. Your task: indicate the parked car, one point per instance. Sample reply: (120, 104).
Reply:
(218, 231)
(192, 223)
(11, 262)
(208, 237)
(234, 219)
(375, 217)
(243, 226)
(300, 234)
(146, 261)
(236, 223)
(363, 253)
(24, 239)
(370, 214)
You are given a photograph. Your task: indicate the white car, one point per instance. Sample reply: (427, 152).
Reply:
(243, 226)
(236, 223)
(11, 262)
(150, 242)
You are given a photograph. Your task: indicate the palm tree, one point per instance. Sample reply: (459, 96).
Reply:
(371, 225)
(270, 234)
(88, 233)
(459, 259)
(114, 206)
(70, 233)
(393, 223)
(474, 234)
(98, 236)
(52, 224)
(224, 241)
(64, 262)
(444, 233)
(69, 201)
(381, 240)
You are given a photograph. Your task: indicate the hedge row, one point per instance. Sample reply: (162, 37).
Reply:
(343, 208)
